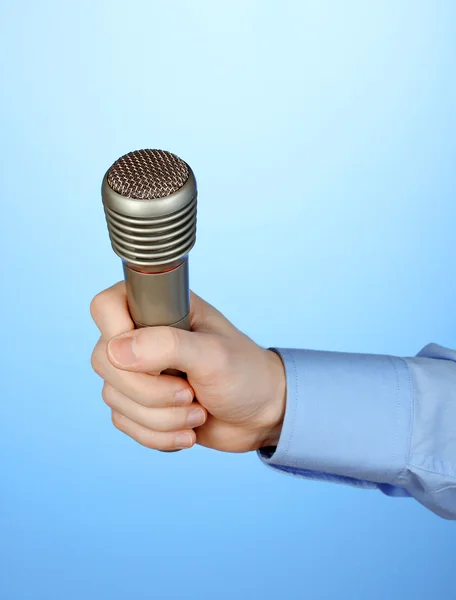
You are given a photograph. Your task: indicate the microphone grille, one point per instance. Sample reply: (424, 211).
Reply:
(147, 174)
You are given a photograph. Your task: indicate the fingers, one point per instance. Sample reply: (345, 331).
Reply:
(148, 390)
(155, 440)
(157, 419)
(156, 410)
(149, 411)
(109, 310)
(154, 349)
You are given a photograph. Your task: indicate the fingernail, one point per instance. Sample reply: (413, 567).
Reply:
(183, 397)
(183, 440)
(122, 350)
(196, 417)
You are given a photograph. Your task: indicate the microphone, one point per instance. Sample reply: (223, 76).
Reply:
(149, 199)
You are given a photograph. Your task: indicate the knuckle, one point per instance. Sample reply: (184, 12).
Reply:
(116, 419)
(149, 396)
(154, 440)
(157, 343)
(166, 443)
(96, 360)
(180, 418)
(96, 306)
(107, 395)
(170, 341)
(148, 440)
(174, 417)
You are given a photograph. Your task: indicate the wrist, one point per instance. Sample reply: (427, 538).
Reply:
(275, 412)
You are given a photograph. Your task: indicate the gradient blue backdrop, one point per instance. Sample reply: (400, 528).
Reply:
(323, 138)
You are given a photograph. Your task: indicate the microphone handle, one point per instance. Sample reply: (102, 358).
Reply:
(160, 299)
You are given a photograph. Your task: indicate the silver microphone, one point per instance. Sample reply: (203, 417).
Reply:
(149, 199)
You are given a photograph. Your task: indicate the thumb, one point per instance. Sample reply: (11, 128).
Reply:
(155, 349)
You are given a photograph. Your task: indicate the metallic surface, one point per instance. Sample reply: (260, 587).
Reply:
(147, 174)
(149, 208)
(149, 199)
(152, 233)
(158, 298)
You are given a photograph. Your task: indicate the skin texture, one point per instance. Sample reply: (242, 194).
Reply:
(234, 396)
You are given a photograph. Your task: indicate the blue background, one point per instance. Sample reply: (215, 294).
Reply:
(322, 135)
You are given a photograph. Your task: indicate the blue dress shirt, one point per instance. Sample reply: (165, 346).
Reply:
(372, 421)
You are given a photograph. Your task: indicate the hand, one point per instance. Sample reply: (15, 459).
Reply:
(239, 387)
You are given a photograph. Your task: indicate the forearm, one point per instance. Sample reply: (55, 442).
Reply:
(372, 421)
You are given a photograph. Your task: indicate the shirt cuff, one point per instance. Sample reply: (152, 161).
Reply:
(348, 418)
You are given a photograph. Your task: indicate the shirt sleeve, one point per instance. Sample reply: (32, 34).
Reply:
(372, 421)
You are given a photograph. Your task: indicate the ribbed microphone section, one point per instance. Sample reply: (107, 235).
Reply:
(150, 200)
(153, 241)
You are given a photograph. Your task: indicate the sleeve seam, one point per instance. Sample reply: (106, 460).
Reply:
(293, 420)
(398, 413)
(411, 394)
(446, 469)
(433, 472)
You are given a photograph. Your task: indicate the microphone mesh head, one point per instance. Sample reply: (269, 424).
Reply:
(147, 174)
(150, 198)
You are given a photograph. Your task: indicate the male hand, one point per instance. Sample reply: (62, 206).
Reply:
(234, 396)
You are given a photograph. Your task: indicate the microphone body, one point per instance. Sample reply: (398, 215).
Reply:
(159, 298)
(149, 199)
